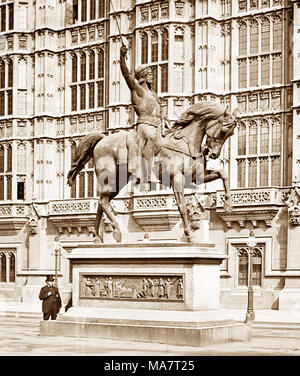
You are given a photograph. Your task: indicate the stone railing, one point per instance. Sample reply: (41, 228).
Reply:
(254, 196)
(14, 210)
(73, 206)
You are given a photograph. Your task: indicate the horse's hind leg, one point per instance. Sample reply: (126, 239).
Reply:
(98, 236)
(104, 202)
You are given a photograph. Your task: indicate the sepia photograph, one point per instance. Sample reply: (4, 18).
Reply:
(149, 181)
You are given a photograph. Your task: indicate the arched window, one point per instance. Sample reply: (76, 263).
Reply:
(83, 67)
(253, 71)
(265, 35)
(1, 158)
(264, 171)
(12, 267)
(264, 136)
(144, 59)
(252, 138)
(243, 39)
(82, 91)
(277, 34)
(275, 171)
(100, 63)
(276, 69)
(91, 95)
(10, 73)
(165, 45)
(21, 159)
(242, 73)
(252, 172)
(92, 65)
(242, 139)
(241, 170)
(164, 78)
(265, 70)
(74, 68)
(74, 98)
(2, 267)
(244, 265)
(90, 178)
(82, 184)
(276, 135)
(254, 37)
(154, 47)
(178, 45)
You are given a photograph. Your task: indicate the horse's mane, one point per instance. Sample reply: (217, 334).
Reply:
(201, 110)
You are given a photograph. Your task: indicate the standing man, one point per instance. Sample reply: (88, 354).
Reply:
(49, 294)
(146, 104)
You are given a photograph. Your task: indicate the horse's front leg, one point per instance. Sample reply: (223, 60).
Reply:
(177, 183)
(210, 175)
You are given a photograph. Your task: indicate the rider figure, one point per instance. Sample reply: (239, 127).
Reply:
(147, 107)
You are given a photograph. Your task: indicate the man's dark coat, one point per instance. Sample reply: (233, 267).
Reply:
(49, 299)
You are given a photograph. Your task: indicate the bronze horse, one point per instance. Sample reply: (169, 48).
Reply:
(178, 152)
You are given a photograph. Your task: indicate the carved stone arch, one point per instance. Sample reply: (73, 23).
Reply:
(276, 17)
(20, 59)
(73, 54)
(91, 52)
(21, 145)
(276, 120)
(242, 23)
(253, 122)
(143, 32)
(253, 20)
(82, 53)
(241, 124)
(264, 19)
(153, 32)
(179, 30)
(264, 121)
(164, 28)
(100, 50)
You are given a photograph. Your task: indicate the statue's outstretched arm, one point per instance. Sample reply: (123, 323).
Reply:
(129, 78)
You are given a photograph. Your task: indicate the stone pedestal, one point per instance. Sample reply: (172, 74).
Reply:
(167, 293)
(146, 276)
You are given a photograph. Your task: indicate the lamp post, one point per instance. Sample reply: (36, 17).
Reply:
(57, 254)
(251, 244)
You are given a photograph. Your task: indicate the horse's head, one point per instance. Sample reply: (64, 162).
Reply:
(217, 131)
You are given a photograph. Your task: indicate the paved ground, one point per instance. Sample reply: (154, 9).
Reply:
(20, 336)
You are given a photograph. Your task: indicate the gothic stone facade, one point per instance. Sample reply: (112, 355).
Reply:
(60, 79)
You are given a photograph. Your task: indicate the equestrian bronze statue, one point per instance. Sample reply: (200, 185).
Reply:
(177, 151)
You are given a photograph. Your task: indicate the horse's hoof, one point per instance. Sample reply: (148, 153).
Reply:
(97, 240)
(189, 238)
(117, 235)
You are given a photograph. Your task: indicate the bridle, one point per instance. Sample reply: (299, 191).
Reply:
(179, 136)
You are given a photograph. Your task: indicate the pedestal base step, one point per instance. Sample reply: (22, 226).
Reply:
(191, 334)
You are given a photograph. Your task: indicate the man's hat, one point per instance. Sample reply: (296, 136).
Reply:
(49, 278)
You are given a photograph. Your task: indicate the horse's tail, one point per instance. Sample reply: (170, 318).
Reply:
(83, 154)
